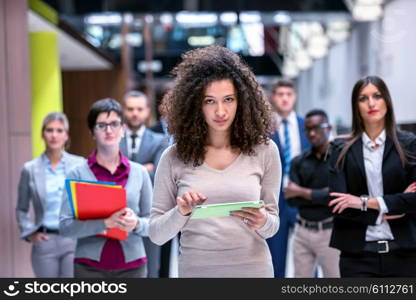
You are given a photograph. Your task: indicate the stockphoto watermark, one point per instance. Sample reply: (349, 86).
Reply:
(69, 288)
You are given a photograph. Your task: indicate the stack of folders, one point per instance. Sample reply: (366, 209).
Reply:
(97, 200)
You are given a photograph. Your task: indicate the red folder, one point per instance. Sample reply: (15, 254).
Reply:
(99, 202)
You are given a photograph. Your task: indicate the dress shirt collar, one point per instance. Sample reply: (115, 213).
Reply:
(139, 132)
(92, 160)
(291, 118)
(47, 161)
(369, 144)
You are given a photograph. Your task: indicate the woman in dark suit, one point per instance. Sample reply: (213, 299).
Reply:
(372, 175)
(41, 185)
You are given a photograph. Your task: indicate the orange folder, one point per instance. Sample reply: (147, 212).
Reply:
(99, 202)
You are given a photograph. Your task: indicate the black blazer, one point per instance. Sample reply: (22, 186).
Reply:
(351, 225)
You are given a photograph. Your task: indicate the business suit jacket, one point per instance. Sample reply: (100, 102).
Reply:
(284, 208)
(32, 191)
(351, 225)
(151, 148)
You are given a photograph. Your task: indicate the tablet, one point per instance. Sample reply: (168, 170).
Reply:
(222, 210)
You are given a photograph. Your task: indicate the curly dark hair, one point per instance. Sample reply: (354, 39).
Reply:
(183, 103)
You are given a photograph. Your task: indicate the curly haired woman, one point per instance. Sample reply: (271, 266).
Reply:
(220, 120)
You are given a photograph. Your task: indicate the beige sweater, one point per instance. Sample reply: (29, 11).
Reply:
(218, 247)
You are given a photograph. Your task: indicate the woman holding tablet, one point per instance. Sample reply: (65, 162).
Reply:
(221, 122)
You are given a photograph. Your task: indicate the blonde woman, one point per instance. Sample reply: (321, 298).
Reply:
(41, 185)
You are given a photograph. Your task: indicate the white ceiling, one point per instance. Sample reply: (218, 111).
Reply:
(73, 54)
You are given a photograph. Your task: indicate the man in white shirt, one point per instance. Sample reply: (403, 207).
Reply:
(291, 139)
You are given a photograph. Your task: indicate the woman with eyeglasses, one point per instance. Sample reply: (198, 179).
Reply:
(41, 185)
(372, 182)
(97, 256)
(221, 122)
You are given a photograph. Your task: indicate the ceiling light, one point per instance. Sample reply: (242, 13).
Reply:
(229, 18)
(318, 46)
(368, 2)
(289, 68)
(303, 60)
(367, 12)
(196, 19)
(282, 18)
(166, 19)
(250, 17)
(103, 19)
(338, 30)
(201, 41)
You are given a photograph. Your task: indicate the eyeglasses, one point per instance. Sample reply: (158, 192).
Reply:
(317, 127)
(103, 126)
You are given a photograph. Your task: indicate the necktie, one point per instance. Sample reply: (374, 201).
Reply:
(286, 153)
(133, 146)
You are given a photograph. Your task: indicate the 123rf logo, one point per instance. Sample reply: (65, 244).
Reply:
(70, 289)
(11, 290)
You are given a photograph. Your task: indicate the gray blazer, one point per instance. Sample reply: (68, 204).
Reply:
(151, 148)
(32, 190)
(139, 199)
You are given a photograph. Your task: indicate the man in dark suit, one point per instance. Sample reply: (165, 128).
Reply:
(291, 140)
(161, 126)
(145, 147)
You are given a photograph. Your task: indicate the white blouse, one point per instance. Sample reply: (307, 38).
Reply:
(373, 162)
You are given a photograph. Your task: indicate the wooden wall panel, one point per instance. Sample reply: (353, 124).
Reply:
(80, 90)
(15, 131)
(19, 91)
(5, 221)
(21, 249)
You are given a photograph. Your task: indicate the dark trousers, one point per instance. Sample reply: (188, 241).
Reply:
(85, 271)
(165, 252)
(396, 263)
(165, 259)
(279, 242)
(153, 257)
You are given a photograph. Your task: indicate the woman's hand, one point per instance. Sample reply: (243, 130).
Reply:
(124, 219)
(114, 220)
(37, 237)
(411, 188)
(128, 220)
(344, 201)
(188, 201)
(254, 218)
